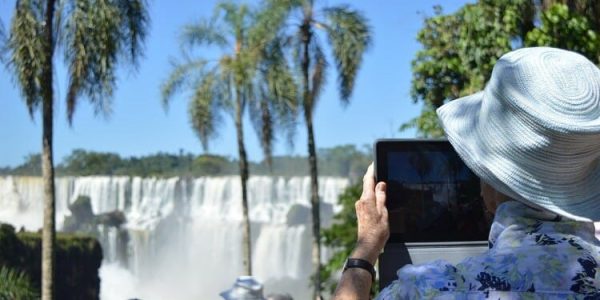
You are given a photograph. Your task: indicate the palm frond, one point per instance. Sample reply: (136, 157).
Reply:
(350, 36)
(296, 46)
(276, 104)
(16, 285)
(77, 54)
(226, 75)
(234, 14)
(26, 47)
(3, 42)
(318, 74)
(97, 34)
(135, 22)
(59, 23)
(284, 4)
(262, 120)
(203, 33)
(178, 77)
(204, 108)
(107, 44)
(268, 23)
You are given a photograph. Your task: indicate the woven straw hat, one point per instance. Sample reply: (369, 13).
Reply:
(533, 133)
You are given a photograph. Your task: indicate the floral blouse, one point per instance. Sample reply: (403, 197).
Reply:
(532, 255)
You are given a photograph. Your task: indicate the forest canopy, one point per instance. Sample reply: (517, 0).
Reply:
(345, 161)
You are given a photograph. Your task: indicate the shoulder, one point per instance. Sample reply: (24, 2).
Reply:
(422, 281)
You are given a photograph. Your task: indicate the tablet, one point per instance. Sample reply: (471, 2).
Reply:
(432, 196)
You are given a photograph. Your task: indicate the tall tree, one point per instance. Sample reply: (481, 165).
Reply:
(461, 48)
(349, 36)
(251, 72)
(95, 35)
(563, 27)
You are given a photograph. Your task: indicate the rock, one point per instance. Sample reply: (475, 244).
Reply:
(113, 219)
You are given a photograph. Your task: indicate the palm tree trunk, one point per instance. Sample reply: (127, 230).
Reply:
(246, 237)
(49, 230)
(315, 207)
(312, 164)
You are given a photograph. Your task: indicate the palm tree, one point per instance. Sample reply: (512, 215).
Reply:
(349, 36)
(252, 72)
(95, 35)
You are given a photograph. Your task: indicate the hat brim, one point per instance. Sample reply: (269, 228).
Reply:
(460, 120)
(235, 294)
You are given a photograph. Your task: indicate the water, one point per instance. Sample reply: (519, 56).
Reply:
(185, 233)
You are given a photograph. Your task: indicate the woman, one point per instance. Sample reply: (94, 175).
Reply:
(533, 137)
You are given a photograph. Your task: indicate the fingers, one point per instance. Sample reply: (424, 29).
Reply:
(380, 196)
(368, 183)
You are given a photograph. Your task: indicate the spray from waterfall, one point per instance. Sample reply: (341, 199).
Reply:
(183, 234)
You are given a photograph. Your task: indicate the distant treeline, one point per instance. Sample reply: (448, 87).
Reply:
(346, 161)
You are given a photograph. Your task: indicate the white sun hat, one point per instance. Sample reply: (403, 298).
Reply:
(533, 133)
(244, 288)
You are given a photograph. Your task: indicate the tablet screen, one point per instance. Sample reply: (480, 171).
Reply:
(432, 195)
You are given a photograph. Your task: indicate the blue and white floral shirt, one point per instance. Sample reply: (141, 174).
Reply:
(532, 255)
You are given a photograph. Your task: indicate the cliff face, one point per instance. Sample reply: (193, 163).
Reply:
(78, 260)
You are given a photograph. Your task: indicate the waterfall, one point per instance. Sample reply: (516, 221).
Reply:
(184, 234)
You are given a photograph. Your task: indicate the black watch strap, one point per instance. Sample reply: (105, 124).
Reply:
(361, 264)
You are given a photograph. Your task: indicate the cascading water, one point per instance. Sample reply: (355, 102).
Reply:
(184, 234)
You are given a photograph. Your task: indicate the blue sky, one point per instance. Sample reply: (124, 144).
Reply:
(138, 124)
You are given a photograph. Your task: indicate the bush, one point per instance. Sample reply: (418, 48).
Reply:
(78, 260)
(16, 285)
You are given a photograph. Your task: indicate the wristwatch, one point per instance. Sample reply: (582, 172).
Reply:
(361, 264)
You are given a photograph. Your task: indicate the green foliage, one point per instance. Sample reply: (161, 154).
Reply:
(78, 260)
(277, 107)
(15, 285)
(32, 166)
(427, 124)
(341, 237)
(210, 165)
(95, 36)
(345, 161)
(563, 28)
(26, 47)
(350, 36)
(251, 73)
(437, 69)
(85, 163)
(160, 164)
(460, 49)
(92, 55)
(348, 32)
